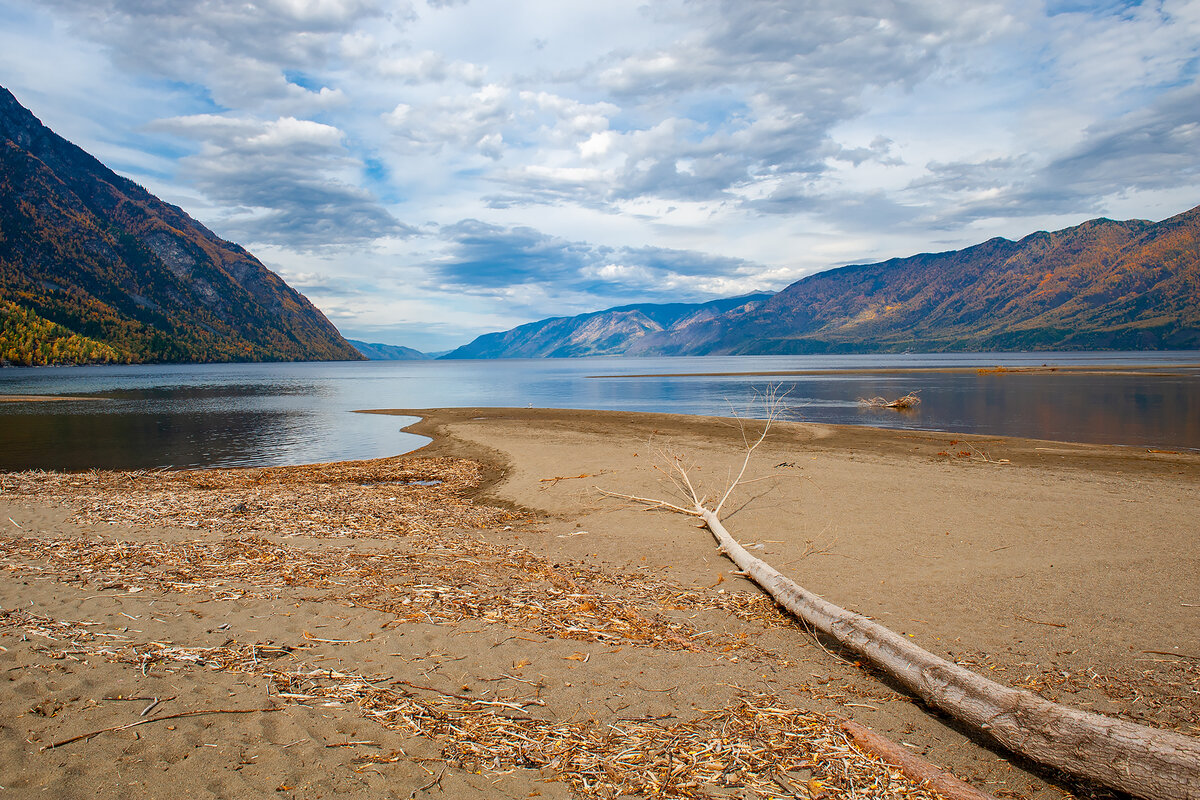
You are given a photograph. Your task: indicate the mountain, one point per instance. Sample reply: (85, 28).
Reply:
(610, 332)
(87, 253)
(1103, 285)
(388, 352)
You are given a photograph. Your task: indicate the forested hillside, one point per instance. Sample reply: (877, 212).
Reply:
(27, 340)
(94, 253)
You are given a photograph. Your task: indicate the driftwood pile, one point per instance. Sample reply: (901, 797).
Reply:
(908, 401)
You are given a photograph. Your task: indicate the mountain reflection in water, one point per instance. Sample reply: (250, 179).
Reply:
(209, 415)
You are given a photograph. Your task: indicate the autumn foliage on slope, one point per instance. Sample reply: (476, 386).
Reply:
(1101, 285)
(1104, 284)
(95, 253)
(27, 340)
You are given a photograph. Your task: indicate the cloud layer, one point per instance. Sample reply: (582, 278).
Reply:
(430, 170)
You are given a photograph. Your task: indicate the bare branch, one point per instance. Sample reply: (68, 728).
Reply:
(773, 402)
(650, 501)
(1146, 762)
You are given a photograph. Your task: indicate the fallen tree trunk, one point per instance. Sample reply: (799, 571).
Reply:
(912, 765)
(1145, 762)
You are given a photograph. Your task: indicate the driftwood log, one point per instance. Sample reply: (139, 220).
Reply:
(904, 403)
(916, 768)
(1145, 762)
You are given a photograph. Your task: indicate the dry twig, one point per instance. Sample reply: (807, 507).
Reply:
(201, 712)
(744, 744)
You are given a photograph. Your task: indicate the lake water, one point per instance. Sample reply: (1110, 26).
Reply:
(270, 414)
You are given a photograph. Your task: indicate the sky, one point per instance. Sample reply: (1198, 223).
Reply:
(428, 171)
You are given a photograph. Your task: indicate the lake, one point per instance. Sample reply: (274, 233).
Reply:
(181, 416)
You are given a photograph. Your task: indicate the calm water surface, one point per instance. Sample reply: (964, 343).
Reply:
(269, 414)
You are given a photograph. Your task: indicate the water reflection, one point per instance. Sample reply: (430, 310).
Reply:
(263, 414)
(217, 390)
(1161, 411)
(131, 441)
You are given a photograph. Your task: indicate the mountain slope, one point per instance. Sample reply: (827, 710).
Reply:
(27, 340)
(1103, 284)
(100, 256)
(610, 332)
(376, 351)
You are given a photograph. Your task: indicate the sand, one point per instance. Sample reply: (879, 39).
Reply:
(1069, 569)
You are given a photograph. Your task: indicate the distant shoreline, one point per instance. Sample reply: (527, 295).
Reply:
(1075, 369)
(44, 398)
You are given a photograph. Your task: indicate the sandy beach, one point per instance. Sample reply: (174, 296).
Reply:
(477, 619)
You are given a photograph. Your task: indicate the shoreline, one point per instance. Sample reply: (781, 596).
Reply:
(1065, 568)
(1159, 370)
(45, 398)
(438, 423)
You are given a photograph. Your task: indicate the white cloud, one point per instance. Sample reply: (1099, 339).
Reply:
(766, 138)
(282, 181)
(430, 67)
(474, 121)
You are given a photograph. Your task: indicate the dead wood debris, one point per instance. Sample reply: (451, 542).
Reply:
(437, 569)
(449, 580)
(200, 712)
(382, 498)
(904, 403)
(755, 744)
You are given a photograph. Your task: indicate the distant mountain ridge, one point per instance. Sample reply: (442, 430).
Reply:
(613, 331)
(90, 254)
(1102, 285)
(376, 351)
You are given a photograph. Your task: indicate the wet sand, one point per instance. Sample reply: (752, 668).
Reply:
(1068, 569)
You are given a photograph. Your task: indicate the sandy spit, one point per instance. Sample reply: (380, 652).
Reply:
(394, 628)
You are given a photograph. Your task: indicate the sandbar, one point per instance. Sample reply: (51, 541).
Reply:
(488, 568)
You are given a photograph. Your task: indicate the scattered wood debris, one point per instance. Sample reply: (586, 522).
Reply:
(437, 568)
(554, 481)
(904, 403)
(757, 743)
(382, 498)
(439, 565)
